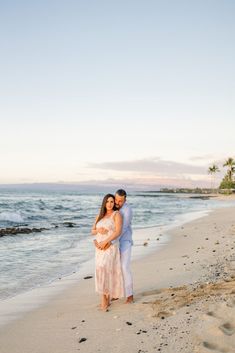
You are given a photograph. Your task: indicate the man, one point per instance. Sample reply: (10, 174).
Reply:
(126, 242)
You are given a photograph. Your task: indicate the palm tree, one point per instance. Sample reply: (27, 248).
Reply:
(212, 170)
(230, 163)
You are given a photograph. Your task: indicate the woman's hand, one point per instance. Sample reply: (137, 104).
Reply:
(102, 230)
(96, 244)
(103, 245)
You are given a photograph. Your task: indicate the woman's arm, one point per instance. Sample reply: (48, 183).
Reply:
(94, 231)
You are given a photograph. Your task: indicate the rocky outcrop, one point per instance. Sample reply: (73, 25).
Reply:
(19, 230)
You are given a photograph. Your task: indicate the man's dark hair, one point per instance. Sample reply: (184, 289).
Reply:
(121, 192)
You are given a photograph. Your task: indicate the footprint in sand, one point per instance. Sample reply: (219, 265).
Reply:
(211, 313)
(151, 292)
(227, 329)
(210, 346)
(217, 332)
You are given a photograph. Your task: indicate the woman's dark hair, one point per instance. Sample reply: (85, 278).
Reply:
(103, 206)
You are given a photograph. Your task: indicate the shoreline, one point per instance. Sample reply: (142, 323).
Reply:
(192, 258)
(16, 306)
(13, 289)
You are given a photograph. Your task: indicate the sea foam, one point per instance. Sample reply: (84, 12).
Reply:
(11, 216)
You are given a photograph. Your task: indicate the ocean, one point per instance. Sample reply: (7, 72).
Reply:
(64, 245)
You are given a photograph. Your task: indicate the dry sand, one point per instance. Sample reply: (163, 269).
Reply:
(184, 302)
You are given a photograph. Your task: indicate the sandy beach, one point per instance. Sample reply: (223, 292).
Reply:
(184, 301)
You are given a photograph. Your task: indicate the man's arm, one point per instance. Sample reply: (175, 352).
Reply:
(127, 218)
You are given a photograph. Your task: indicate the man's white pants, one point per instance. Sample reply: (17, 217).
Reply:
(126, 270)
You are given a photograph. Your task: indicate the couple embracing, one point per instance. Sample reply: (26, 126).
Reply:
(112, 228)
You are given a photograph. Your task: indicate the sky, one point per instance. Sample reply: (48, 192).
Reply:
(132, 92)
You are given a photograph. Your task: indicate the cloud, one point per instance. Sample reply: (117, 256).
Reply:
(207, 157)
(146, 183)
(152, 165)
(210, 159)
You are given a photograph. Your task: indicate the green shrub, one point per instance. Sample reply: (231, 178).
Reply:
(226, 183)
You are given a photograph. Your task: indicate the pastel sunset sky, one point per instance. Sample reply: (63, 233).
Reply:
(133, 92)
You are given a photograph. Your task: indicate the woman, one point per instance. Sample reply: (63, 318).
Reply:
(108, 273)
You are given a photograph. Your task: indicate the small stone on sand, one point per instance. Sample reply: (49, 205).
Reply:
(83, 339)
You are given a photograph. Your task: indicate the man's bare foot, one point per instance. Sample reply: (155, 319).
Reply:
(114, 299)
(129, 299)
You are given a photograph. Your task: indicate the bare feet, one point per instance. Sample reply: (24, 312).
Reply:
(108, 302)
(105, 302)
(129, 300)
(103, 307)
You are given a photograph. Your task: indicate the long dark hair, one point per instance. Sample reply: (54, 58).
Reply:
(103, 209)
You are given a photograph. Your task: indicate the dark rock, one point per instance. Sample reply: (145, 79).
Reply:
(36, 230)
(73, 328)
(87, 277)
(129, 323)
(83, 339)
(69, 224)
(200, 197)
(19, 230)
